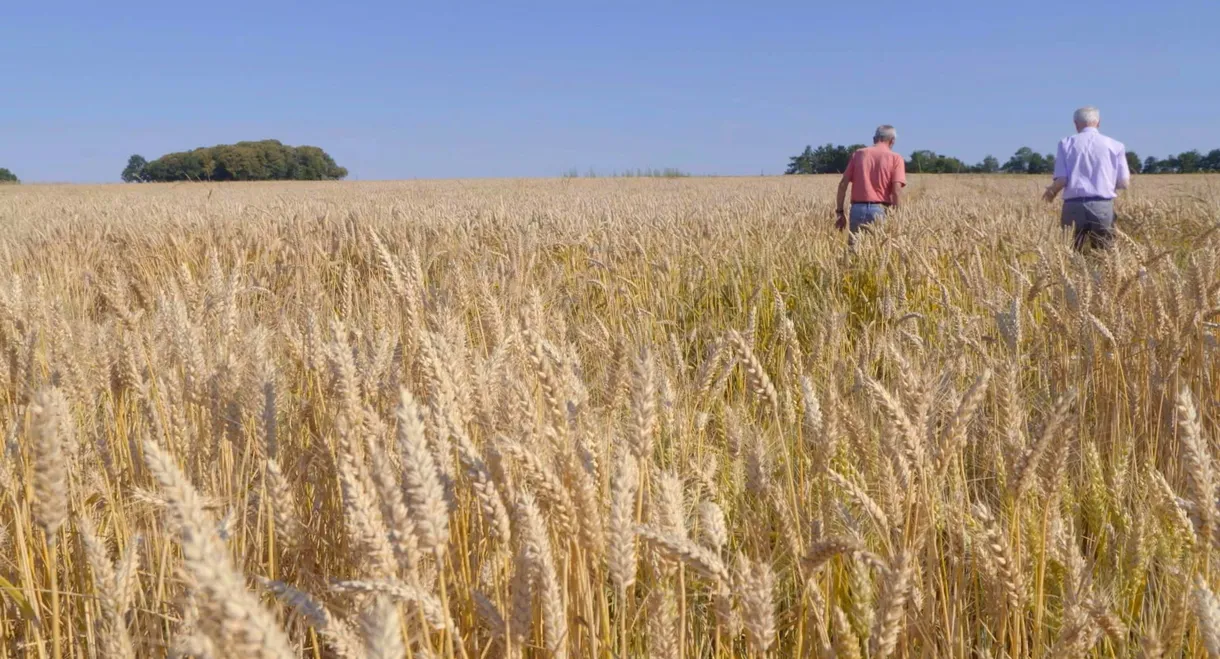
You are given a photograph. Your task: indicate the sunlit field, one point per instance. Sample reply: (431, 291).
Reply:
(606, 418)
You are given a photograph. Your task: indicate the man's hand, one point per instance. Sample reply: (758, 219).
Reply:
(1054, 189)
(840, 220)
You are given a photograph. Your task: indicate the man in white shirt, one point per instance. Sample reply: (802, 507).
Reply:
(1090, 169)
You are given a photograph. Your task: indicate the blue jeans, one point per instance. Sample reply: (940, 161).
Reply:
(863, 215)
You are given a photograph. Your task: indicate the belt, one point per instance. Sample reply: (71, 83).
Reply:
(870, 203)
(1083, 200)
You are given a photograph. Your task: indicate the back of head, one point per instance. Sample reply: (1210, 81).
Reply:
(1087, 116)
(884, 133)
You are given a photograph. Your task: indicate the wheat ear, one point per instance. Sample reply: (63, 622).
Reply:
(48, 423)
(425, 494)
(890, 608)
(337, 633)
(754, 584)
(434, 613)
(243, 625)
(536, 550)
(1207, 610)
(382, 630)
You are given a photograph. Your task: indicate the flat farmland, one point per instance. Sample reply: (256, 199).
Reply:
(606, 418)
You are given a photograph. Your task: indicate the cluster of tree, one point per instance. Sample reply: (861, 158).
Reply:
(8, 177)
(832, 159)
(647, 172)
(826, 159)
(267, 160)
(1189, 162)
(1028, 161)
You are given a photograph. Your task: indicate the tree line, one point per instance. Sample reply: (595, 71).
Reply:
(265, 160)
(647, 172)
(8, 177)
(833, 159)
(1187, 162)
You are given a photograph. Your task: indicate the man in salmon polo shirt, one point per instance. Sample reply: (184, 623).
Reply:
(876, 175)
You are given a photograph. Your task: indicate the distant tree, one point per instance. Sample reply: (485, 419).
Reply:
(826, 159)
(1019, 162)
(1211, 162)
(830, 158)
(650, 172)
(922, 162)
(1038, 164)
(1028, 161)
(8, 177)
(802, 163)
(930, 162)
(134, 171)
(266, 160)
(1189, 161)
(1133, 162)
(951, 165)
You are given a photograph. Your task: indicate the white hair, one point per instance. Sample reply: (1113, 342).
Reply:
(884, 134)
(1087, 116)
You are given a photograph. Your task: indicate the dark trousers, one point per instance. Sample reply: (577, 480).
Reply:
(1092, 221)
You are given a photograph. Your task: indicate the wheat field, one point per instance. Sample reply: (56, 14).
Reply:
(606, 418)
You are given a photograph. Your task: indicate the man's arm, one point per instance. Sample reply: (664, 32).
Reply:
(1060, 180)
(1124, 171)
(898, 182)
(840, 218)
(895, 193)
(841, 195)
(1054, 189)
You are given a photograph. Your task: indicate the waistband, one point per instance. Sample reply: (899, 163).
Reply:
(870, 203)
(1085, 200)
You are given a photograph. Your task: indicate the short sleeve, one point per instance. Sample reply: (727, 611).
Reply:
(900, 170)
(1061, 170)
(851, 167)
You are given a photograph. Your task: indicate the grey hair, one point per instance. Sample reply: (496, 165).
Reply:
(884, 134)
(1087, 116)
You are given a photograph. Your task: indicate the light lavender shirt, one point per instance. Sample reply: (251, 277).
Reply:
(1092, 164)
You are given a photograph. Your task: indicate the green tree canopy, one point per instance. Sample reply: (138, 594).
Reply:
(1019, 162)
(1188, 161)
(1133, 162)
(8, 177)
(1028, 161)
(930, 162)
(267, 160)
(1040, 164)
(826, 159)
(1211, 162)
(830, 159)
(989, 165)
(134, 172)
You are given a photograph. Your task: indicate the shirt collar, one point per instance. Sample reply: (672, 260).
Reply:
(1089, 129)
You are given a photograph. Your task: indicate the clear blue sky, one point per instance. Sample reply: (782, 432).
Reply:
(534, 89)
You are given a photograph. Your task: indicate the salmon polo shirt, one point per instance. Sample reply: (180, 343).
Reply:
(871, 170)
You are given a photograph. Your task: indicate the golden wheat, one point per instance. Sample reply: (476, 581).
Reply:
(671, 418)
